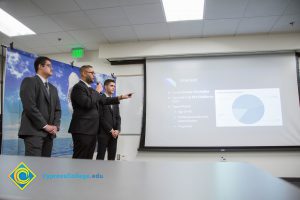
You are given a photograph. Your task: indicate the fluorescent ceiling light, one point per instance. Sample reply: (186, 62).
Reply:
(10, 26)
(181, 10)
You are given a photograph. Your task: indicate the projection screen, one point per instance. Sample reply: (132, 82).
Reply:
(222, 102)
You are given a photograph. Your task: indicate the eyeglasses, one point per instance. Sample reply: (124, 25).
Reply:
(91, 72)
(48, 65)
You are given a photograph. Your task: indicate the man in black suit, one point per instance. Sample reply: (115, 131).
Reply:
(86, 104)
(111, 125)
(41, 110)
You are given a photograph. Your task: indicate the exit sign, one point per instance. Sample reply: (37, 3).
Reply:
(77, 52)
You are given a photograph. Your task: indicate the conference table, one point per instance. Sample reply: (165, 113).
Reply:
(66, 178)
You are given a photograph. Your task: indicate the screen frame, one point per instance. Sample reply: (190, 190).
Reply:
(142, 146)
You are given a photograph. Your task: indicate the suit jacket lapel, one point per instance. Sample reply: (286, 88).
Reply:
(43, 88)
(52, 97)
(88, 91)
(110, 107)
(85, 86)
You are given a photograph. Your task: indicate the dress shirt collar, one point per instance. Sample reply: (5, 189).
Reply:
(107, 95)
(42, 78)
(88, 85)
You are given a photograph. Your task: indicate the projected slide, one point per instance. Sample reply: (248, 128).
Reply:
(222, 101)
(248, 107)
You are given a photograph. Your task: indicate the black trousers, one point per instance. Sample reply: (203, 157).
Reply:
(109, 143)
(38, 146)
(83, 146)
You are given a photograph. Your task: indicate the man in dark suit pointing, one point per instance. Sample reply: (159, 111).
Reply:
(86, 104)
(41, 110)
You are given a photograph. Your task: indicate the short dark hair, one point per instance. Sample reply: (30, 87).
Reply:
(84, 67)
(108, 81)
(41, 60)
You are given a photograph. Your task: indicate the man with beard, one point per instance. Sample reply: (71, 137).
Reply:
(86, 104)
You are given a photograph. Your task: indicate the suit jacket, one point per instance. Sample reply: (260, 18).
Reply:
(39, 108)
(109, 119)
(86, 104)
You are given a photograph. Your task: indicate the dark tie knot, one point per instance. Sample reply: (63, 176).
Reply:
(46, 85)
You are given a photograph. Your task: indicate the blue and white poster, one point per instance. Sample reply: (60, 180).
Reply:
(18, 65)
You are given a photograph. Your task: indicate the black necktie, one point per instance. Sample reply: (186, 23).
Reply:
(47, 87)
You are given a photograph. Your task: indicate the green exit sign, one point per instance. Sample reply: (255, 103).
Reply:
(77, 52)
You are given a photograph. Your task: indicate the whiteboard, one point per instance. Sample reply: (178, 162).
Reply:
(131, 110)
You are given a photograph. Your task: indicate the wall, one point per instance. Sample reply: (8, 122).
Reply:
(280, 164)
(100, 65)
(203, 46)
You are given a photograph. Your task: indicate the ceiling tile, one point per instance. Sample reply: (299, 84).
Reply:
(293, 8)
(283, 24)
(218, 9)
(76, 21)
(88, 36)
(257, 8)
(41, 24)
(5, 40)
(152, 31)
(220, 27)
(56, 6)
(46, 50)
(91, 46)
(58, 38)
(185, 29)
(143, 14)
(119, 34)
(96, 4)
(73, 20)
(108, 17)
(256, 25)
(20, 8)
(32, 41)
(136, 2)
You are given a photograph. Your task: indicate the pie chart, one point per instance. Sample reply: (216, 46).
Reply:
(248, 109)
